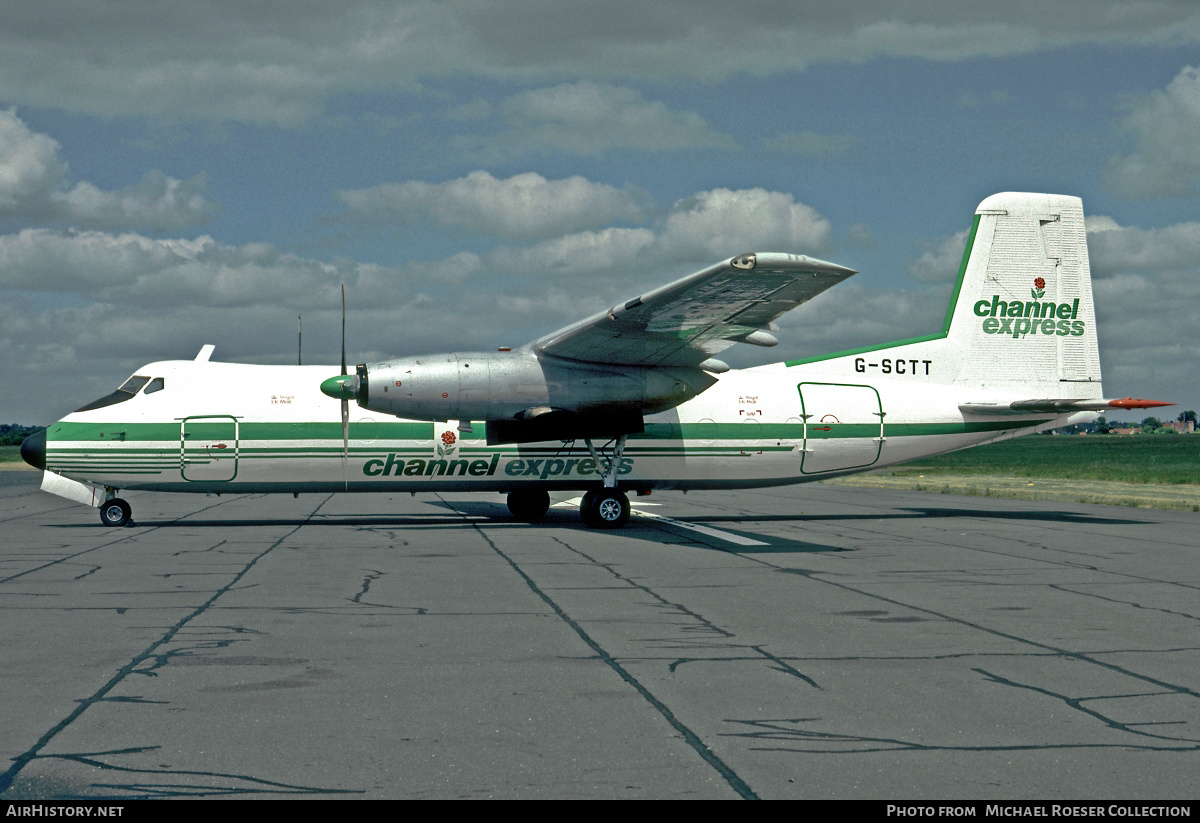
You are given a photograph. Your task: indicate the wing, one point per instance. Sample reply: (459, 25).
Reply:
(686, 322)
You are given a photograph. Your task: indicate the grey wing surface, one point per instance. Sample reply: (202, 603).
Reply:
(688, 321)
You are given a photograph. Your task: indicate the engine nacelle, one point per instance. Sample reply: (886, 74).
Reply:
(518, 385)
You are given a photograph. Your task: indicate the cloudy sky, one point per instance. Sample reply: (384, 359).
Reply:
(480, 173)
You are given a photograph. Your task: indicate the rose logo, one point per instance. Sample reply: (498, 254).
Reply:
(1039, 288)
(446, 447)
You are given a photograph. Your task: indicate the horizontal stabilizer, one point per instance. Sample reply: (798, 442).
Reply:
(1059, 406)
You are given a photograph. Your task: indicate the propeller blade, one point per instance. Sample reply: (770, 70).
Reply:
(346, 443)
(345, 429)
(343, 389)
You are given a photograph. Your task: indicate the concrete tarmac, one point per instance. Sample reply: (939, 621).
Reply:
(803, 642)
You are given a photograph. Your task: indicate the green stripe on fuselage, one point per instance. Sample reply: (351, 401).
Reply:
(119, 431)
(71, 437)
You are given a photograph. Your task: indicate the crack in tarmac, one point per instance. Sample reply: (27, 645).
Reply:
(136, 665)
(692, 739)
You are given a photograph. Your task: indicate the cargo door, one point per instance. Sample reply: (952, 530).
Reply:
(843, 427)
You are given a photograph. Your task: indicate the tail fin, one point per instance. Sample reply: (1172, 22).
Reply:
(1022, 313)
(1020, 320)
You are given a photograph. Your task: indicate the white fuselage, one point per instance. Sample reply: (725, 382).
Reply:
(228, 427)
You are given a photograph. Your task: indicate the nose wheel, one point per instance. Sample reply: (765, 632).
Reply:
(604, 509)
(116, 512)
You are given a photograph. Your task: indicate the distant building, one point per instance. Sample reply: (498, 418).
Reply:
(1186, 427)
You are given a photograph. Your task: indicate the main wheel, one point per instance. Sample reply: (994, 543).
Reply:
(115, 512)
(529, 505)
(604, 509)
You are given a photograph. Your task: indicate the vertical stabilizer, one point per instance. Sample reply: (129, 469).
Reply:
(1023, 314)
(1020, 321)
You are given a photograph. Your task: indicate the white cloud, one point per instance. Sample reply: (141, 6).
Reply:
(523, 206)
(30, 168)
(34, 186)
(589, 118)
(1144, 280)
(721, 223)
(1165, 127)
(607, 251)
(1115, 249)
(130, 267)
(158, 202)
(701, 229)
(940, 265)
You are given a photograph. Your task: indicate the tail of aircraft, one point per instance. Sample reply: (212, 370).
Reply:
(1020, 320)
(1022, 314)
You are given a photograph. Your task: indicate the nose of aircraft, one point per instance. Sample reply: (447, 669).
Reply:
(33, 449)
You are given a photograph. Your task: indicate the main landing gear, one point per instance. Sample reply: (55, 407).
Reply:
(604, 509)
(116, 512)
(599, 508)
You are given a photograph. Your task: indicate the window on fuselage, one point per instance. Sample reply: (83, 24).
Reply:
(134, 384)
(157, 384)
(128, 389)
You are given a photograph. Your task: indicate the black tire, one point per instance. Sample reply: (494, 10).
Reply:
(585, 509)
(115, 512)
(529, 505)
(604, 509)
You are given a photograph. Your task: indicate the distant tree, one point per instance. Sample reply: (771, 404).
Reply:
(1102, 426)
(1188, 416)
(12, 434)
(1150, 424)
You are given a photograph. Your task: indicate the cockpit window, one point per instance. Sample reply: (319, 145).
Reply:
(128, 389)
(134, 384)
(154, 385)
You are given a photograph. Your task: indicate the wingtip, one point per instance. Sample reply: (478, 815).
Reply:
(789, 262)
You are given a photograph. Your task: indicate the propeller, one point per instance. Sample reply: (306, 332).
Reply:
(343, 387)
(345, 400)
